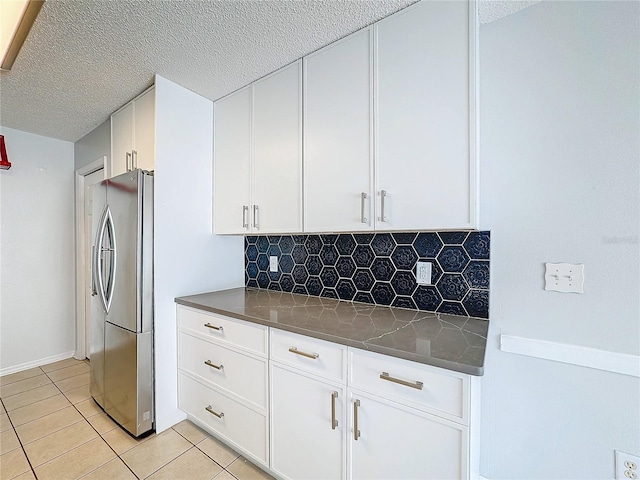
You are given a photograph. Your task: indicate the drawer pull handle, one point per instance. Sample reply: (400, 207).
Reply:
(304, 354)
(213, 327)
(356, 432)
(417, 385)
(217, 367)
(213, 412)
(334, 422)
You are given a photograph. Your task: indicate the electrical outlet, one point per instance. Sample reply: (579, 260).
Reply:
(273, 263)
(626, 466)
(423, 273)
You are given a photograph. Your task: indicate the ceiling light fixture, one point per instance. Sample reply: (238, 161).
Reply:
(16, 19)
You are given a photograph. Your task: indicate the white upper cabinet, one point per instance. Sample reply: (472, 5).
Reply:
(425, 110)
(257, 167)
(338, 173)
(133, 135)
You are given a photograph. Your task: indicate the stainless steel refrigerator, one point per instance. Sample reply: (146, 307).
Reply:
(122, 294)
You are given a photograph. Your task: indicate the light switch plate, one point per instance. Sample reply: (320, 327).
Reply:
(273, 263)
(564, 277)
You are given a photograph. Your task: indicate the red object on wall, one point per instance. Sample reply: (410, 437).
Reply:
(5, 164)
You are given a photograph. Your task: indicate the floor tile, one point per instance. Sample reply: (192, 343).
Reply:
(120, 441)
(68, 372)
(78, 395)
(5, 423)
(191, 432)
(8, 441)
(224, 475)
(13, 463)
(77, 462)
(24, 385)
(29, 397)
(243, 469)
(193, 464)
(153, 454)
(58, 443)
(68, 362)
(26, 476)
(23, 375)
(32, 431)
(113, 470)
(88, 408)
(36, 410)
(74, 382)
(218, 451)
(102, 423)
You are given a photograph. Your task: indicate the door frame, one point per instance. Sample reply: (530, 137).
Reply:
(100, 163)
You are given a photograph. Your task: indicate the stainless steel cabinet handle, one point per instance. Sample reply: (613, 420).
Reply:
(128, 161)
(383, 195)
(255, 217)
(213, 412)
(334, 422)
(356, 432)
(363, 198)
(245, 215)
(217, 367)
(304, 354)
(134, 159)
(213, 327)
(417, 385)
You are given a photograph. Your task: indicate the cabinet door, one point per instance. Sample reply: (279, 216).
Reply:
(231, 162)
(338, 136)
(277, 144)
(399, 442)
(423, 104)
(303, 443)
(121, 140)
(145, 131)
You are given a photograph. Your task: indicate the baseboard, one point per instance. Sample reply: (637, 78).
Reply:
(36, 363)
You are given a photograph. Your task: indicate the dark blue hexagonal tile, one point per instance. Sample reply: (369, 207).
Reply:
(404, 302)
(329, 293)
(404, 238)
(345, 267)
(346, 289)
(286, 244)
(477, 303)
(427, 298)
(252, 253)
(274, 276)
(275, 286)
(329, 277)
(299, 239)
(436, 272)
(477, 245)
(263, 244)
(314, 265)
(452, 287)
(453, 259)
(252, 270)
(252, 283)
(299, 254)
(273, 239)
(404, 257)
(382, 269)
(263, 262)
(300, 289)
(313, 244)
(427, 244)
(477, 274)
(300, 274)
(404, 283)
(329, 255)
(383, 244)
(345, 244)
(453, 238)
(363, 238)
(263, 280)
(285, 263)
(246, 278)
(452, 308)
(287, 283)
(382, 293)
(314, 286)
(363, 297)
(363, 256)
(363, 280)
(250, 240)
(329, 239)
(274, 250)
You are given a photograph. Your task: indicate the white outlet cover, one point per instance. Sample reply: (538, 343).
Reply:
(273, 263)
(627, 466)
(423, 273)
(564, 277)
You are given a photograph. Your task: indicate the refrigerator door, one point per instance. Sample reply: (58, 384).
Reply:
(129, 378)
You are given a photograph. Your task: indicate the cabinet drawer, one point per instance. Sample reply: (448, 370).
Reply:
(241, 334)
(239, 374)
(442, 392)
(309, 354)
(240, 426)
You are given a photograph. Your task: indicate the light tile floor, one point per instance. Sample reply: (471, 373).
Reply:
(50, 428)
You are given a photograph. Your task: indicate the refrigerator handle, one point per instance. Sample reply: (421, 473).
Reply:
(94, 261)
(112, 260)
(99, 259)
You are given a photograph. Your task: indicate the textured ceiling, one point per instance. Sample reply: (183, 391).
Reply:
(84, 59)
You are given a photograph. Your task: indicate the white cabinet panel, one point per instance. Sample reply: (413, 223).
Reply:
(145, 131)
(121, 141)
(338, 136)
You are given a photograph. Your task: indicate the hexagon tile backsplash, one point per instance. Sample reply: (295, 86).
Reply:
(378, 268)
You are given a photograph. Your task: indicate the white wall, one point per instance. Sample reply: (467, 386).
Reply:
(560, 165)
(94, 145)
(188, 258)
(36, 251)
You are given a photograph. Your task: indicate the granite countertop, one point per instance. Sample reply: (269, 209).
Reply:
(447, 341)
